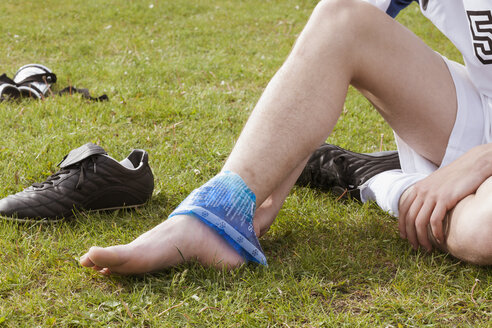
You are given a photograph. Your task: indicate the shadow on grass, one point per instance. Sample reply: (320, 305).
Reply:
(343, 240)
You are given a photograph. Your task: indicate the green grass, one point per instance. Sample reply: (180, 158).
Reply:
(182, 78)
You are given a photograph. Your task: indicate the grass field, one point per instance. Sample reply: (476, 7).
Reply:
(182, 77)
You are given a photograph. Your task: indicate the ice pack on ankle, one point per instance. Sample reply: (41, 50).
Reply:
(227, 205)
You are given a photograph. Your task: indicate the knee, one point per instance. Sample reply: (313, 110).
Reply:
(333, 8)
(329, 8)
(343, 20)
(336, 13)
(470, 235)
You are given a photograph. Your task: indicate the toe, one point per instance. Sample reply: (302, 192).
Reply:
(105, 271)
(86, 261)
(106, 257)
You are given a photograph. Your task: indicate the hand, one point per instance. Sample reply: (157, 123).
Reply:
(430, 199)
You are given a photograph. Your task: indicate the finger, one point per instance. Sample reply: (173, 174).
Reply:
(410, 228)
(406, 201)
(401, 227)
(421, 224)
(436, 221)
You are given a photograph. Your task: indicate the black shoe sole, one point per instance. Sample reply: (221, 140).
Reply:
(55, 220)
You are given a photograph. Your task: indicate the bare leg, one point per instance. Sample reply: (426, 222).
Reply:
(345, 41)
(414, 93)
(267, 212)
(468, 227)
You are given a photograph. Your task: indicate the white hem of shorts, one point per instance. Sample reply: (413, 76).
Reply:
(460, 140)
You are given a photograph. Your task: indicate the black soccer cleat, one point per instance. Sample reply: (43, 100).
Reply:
(88, 180)
(342, 172)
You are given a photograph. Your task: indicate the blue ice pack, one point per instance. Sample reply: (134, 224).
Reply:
(227, 205)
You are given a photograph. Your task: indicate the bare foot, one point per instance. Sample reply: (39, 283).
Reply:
(174, 241)
(177, 240)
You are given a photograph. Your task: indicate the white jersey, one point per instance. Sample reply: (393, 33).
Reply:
(467, 23)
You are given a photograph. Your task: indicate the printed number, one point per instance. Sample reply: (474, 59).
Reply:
(481, 28)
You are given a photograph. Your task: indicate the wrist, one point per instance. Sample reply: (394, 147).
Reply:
(483, 159)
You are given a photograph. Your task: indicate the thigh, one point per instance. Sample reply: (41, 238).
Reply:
(468, 227)
(469, 130)
(409, 84)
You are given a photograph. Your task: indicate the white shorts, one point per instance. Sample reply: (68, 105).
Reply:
(471, 128)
